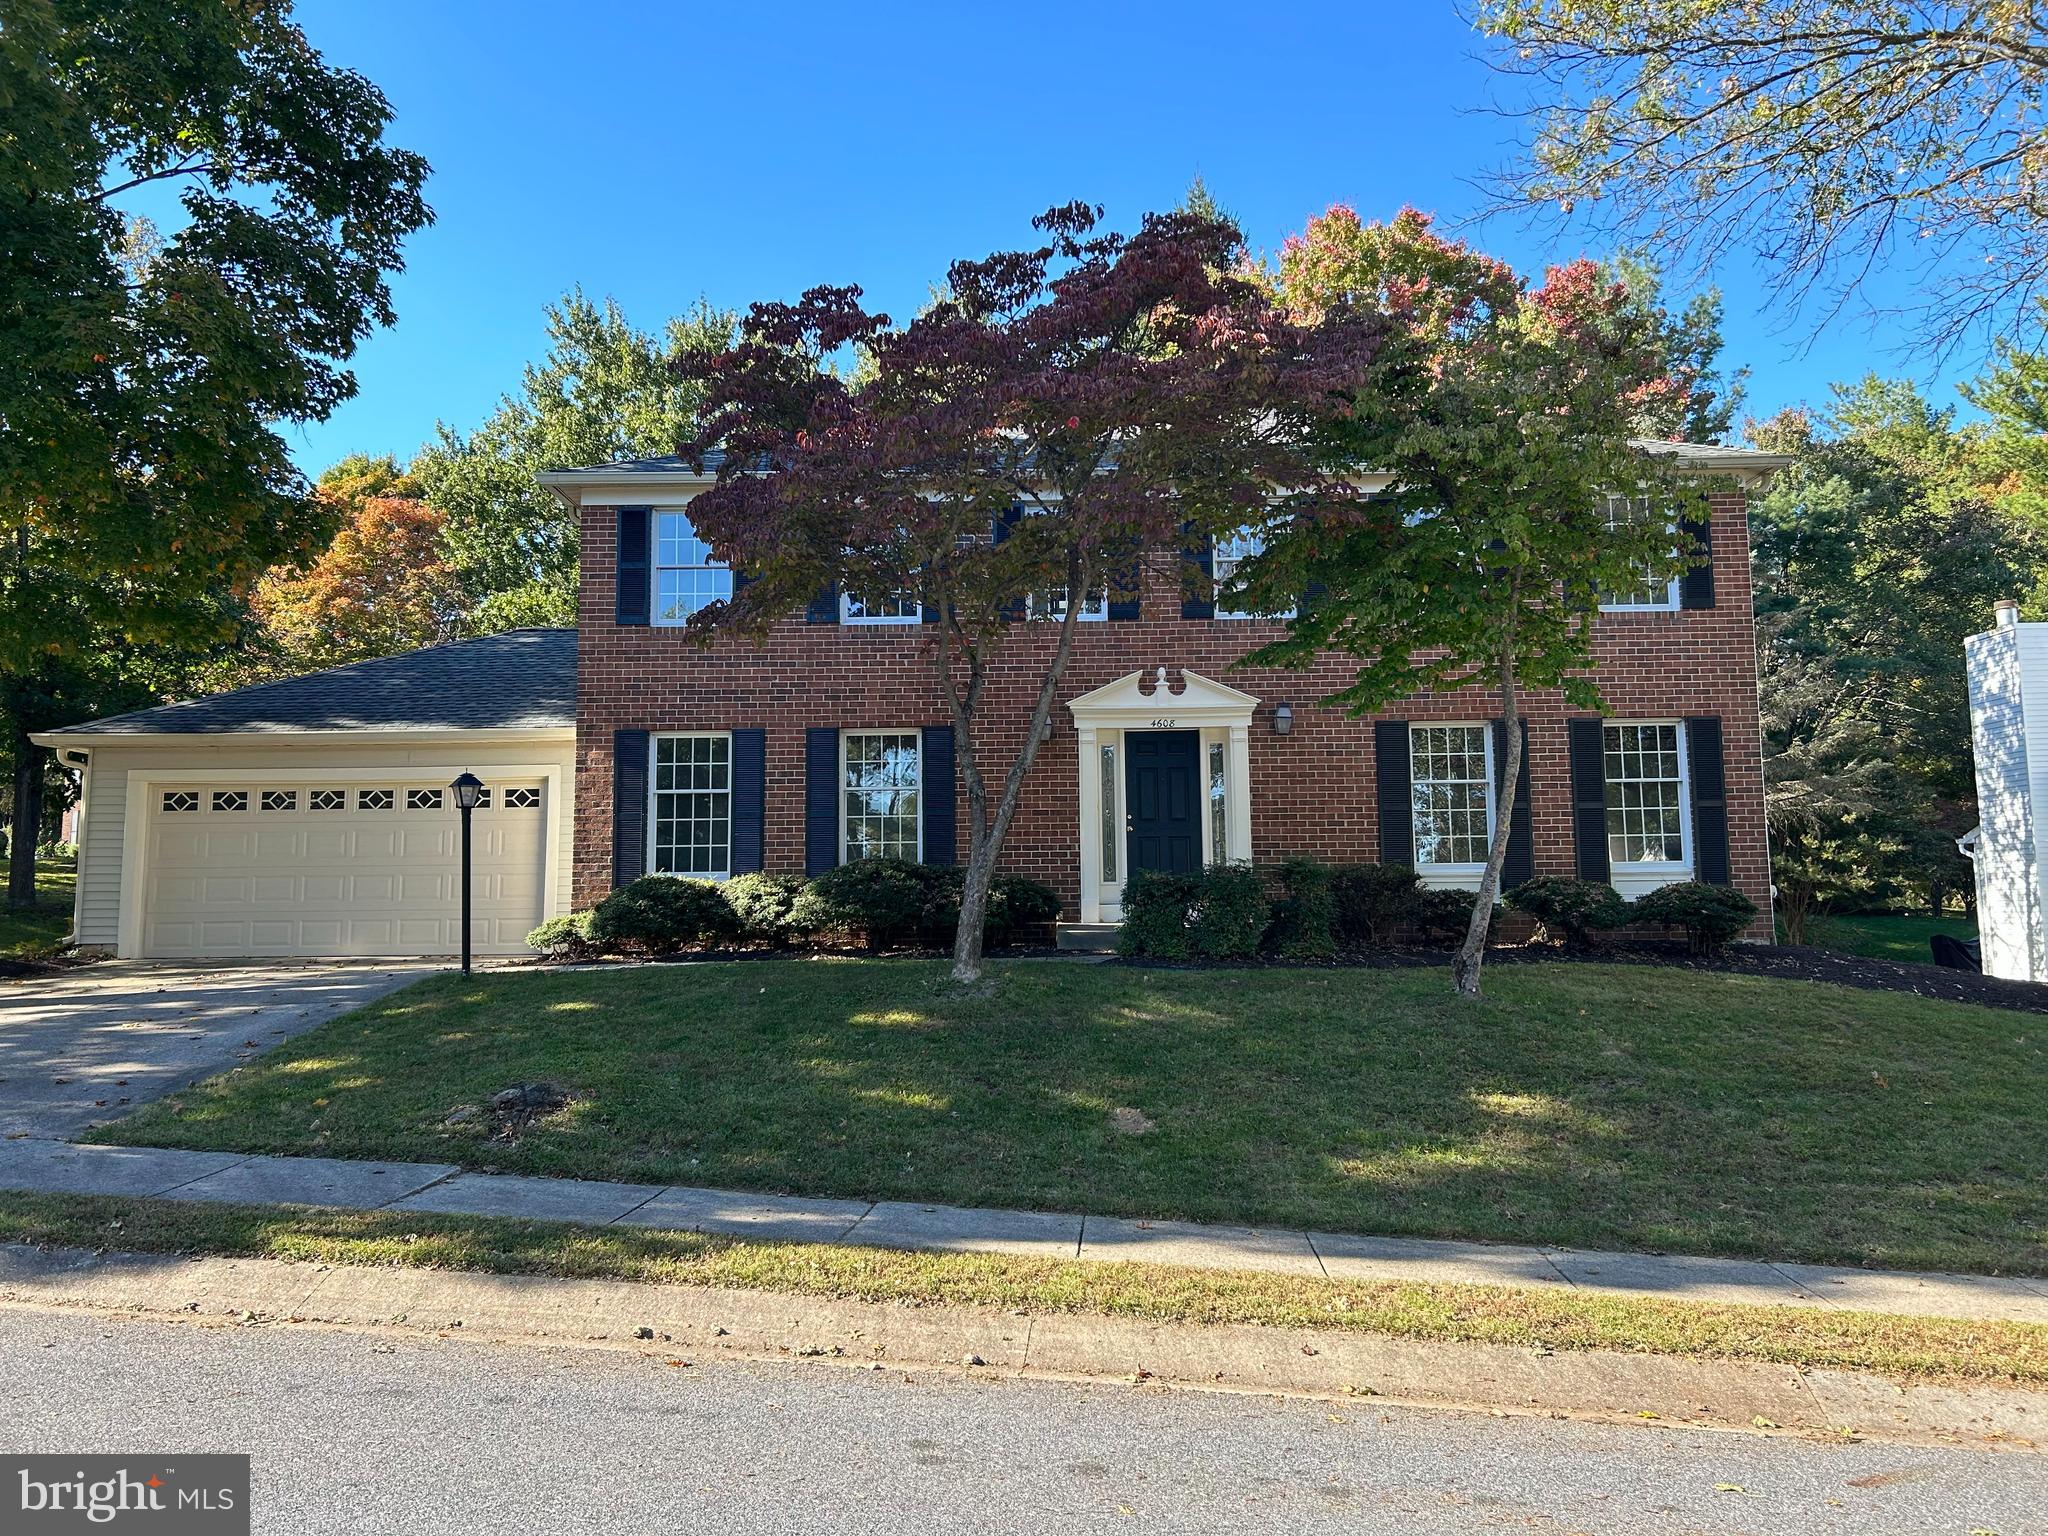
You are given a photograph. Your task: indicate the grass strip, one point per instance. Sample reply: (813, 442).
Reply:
(1903, 1348)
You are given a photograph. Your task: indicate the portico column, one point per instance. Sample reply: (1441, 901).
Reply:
(1237, 807)
(1091, 823)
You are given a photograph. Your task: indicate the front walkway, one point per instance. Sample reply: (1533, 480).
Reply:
(94, 1044)
(62, 1168)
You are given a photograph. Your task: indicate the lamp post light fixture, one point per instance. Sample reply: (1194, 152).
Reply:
(469, 789)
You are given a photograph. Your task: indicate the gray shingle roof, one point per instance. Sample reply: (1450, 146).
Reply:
(521, 680)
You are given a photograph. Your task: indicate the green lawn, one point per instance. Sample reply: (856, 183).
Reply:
(1878, 937)
(1595, 1106)
(48, 922)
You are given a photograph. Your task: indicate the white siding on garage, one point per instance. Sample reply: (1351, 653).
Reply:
(278, 759)
(2008, 672)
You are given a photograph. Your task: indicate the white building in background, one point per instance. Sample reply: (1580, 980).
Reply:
(2008, 667)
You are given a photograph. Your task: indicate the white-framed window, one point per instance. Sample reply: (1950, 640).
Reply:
(1225, 556)
(889, 608)
(1652, 594)
(374, 799)
(686, 578)
(278, 800)
(1051, 604)
(1648, 798)
(181, 799)
(423, 799)
(328, 799)
(231, 799)
(1450, 773)
(881, 775)
(689, 811)
(526, 798)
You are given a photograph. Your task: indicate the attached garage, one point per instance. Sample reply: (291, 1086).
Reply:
(313, 817)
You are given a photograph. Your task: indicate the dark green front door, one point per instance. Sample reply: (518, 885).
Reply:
(1162, 779)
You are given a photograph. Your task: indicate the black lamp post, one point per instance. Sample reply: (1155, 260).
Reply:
(468, 790)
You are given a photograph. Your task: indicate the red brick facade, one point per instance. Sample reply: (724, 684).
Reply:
(1312, 791)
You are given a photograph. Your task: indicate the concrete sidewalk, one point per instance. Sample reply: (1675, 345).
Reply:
(58, 1167)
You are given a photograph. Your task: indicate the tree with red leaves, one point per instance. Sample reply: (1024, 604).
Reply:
(1498, 418)
(1012, 452)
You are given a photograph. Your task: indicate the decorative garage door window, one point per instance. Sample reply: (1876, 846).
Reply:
(328, 799)
(279, 800)
(692, 805)
(231, 799)
(525, 799)
(181, 799)
(374, 799)
(423, 799)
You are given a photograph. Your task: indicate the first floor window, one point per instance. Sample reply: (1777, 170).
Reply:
(1656, 593)
(1645, 794)
(1450, 771)
(692, 820)
(881, 778)
(686, 577)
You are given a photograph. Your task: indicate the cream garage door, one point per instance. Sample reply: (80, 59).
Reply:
(238, 869)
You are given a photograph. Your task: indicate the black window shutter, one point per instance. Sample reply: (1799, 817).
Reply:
(635, 571)
(1198, 598)
(1520, 863)
(1396, 792)
(824, 607)
(939, 795)
(821, 800)
(1709, 798)
(1124, 605)
(1587, 739)
(749, 799)
(629, 806)
(1696, 585)
(999, 532)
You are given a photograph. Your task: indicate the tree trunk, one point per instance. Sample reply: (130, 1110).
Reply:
(1465, 965)
(27, 820)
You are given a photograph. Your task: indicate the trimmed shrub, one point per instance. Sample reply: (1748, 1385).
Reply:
(1373, 901)
(1711, 915)
(1445, 913)
(885, 900)
(1305, 916)
(567, 937)
(1017, 902)
(659, 914)
(1219, 913)
(764, 906)
(1570, 910)
(1014, 901)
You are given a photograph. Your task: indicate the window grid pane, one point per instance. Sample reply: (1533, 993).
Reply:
(1452, 794)
(1109, 816)
(1219, 806)
(686, 578)
(895, 608)
(881, 795)
(1649, 591)
(692, 805)
(1645, 795)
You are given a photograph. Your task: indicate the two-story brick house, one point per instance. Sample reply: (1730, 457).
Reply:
(831, 738)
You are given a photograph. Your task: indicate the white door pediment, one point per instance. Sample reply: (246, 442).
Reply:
(1129, 702)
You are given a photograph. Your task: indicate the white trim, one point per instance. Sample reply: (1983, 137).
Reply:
(1642, 877)
(328, 737)
(1463, 876)
(141, 781)
(865, 620)
(916, 736)
(1218, 713)
(654, 740)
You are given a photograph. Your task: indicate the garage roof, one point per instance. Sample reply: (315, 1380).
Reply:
(522, 680)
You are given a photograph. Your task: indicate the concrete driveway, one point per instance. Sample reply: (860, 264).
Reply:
(95, 1044)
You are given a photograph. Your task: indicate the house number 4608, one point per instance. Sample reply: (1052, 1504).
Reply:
(1165, 722)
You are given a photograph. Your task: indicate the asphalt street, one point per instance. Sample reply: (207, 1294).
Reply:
(388, 1432)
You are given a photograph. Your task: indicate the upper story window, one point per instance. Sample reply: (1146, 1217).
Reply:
(1646, 796)
(1652, 594)
(888, 608)
(1229, 552)
(1451, 772)
(690, 828)
(686, 578)
(1052, 604)
(881, 777)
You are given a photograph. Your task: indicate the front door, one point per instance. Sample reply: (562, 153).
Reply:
(1162, 771)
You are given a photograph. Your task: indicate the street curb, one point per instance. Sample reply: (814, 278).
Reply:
(766, 1325)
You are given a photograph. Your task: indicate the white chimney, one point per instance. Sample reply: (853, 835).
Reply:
(2005, 613)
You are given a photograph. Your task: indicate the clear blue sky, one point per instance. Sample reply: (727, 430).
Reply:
(656, 152)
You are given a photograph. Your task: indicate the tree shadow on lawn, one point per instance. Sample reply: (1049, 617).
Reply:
(1576, 1106)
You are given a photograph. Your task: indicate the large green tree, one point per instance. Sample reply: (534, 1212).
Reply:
(1836, 138)
(605, 390)
(143, 375)
(1502, 415)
